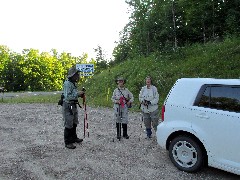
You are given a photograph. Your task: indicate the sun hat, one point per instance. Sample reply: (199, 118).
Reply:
(72, 71)
(120, 79)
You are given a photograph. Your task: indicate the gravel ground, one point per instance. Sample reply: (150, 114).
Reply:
(32, 147)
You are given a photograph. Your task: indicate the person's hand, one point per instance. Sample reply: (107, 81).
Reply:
(81, 94)
(128, 103)
(146, 103)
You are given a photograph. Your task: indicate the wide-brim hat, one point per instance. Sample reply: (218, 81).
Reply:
(72, 71)
(120, 79)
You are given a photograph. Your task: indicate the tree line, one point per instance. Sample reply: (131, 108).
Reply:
(157, 26)
(35, 71)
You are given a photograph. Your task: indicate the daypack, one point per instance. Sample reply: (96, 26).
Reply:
(60, 102)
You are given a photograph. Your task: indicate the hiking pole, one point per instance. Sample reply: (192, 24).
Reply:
(141, 123)
(85, 125)
(115, 125)
(120, 124)
(120, 134)
(113, 129)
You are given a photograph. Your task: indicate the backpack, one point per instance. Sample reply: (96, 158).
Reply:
(60, 102)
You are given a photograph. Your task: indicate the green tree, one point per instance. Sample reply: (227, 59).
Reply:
(4, 58)
(159, 26)
(101, 62)
(13, 76)
(230, 11)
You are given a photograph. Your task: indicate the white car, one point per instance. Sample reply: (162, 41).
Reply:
(201, 124)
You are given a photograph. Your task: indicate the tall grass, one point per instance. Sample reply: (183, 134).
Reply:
(212, 60)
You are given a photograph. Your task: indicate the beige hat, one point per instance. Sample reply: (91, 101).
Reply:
(120, 79)
(72, 71)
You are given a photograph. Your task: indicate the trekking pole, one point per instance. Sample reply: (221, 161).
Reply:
(120, 134)
(141, 123)
(113, 129)
(85, 125)
(120, 124)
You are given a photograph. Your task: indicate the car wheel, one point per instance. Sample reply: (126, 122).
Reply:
(186, 154)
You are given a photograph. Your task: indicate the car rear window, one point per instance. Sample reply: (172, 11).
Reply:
(222, 97)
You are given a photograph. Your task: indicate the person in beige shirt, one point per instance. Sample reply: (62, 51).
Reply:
(122, 99)
(149, 98)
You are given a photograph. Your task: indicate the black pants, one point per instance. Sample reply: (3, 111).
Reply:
(70, 135)
(124, 127)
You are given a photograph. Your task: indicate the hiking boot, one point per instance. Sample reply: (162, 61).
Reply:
(125, 135)
(70, 146)
(149, 132)
(149, 136)
(78, 140)
(118, 126)
(119, 137)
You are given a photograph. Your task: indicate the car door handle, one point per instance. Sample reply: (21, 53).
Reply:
(202, 116)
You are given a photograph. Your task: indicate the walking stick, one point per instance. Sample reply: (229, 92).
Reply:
(85, 117)
(120, 124)
(113, 129)
(141, 123)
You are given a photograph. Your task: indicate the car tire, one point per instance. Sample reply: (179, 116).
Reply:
(186, 154)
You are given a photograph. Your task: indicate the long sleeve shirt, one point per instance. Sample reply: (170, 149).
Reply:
(149, 94)
(120, 92)
(70, 91)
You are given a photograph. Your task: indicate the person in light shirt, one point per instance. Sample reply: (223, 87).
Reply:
(122, 99)
(149, 98)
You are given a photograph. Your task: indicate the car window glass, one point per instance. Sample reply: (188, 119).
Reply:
(225, 98)
(204, 100)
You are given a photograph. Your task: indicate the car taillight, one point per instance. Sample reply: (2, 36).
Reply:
(163, 111)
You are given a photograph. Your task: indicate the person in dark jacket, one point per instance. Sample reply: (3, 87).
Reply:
(70, 112)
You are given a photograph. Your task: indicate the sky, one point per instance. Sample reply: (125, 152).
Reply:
(73, 26)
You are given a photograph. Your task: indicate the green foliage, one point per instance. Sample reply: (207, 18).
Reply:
(156, 26)
(212, 60)
(4, 56)
(36, 71)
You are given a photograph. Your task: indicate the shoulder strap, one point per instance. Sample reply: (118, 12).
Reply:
(121, 93)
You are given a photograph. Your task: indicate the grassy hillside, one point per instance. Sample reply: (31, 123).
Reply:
(213, 60)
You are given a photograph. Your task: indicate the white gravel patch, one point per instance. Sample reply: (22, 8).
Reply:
(32, 147)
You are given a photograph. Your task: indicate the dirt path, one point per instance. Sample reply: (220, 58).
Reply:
(31, 147)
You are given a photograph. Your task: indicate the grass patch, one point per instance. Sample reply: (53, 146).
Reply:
(31, 99)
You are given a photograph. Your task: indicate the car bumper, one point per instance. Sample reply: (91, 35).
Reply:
(162, 135)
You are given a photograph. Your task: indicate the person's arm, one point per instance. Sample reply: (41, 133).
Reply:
(130, 96)
(114, 97)
(155, 96)
(81, 93)
(141, 98)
